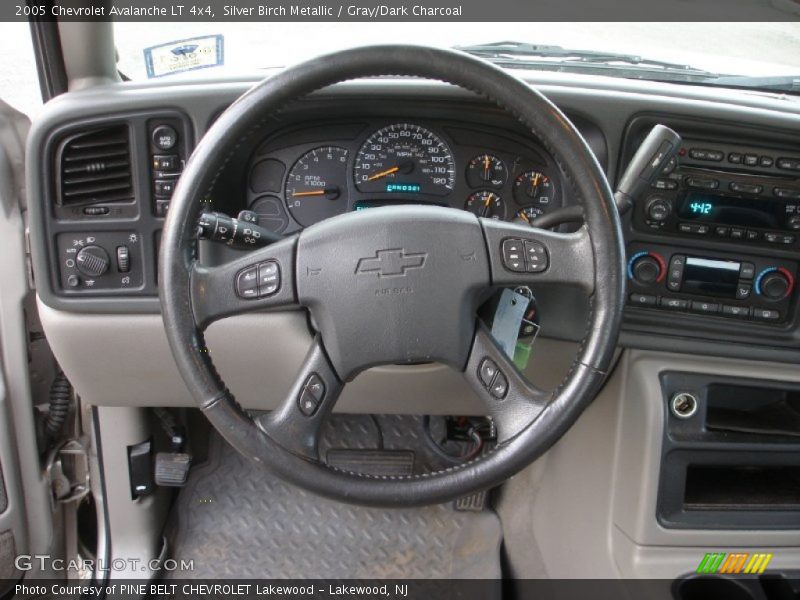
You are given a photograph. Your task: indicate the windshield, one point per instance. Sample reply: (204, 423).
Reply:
(751, 54)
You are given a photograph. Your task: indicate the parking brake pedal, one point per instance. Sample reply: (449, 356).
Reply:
(172, 468)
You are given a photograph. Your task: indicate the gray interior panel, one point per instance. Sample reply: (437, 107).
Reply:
(116, 360)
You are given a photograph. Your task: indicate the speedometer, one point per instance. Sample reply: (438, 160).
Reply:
(405, 158)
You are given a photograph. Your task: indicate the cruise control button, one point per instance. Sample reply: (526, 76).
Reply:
(269, 278)
(499, 386)
(247, 283)
(487, 371)
(642, 299)
(735, 311)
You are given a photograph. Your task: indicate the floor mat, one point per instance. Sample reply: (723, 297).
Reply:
(235, 520)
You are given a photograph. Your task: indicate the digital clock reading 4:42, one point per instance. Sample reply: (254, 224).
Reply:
(701, 208)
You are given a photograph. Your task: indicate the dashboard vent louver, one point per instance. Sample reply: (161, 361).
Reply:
(95, 167)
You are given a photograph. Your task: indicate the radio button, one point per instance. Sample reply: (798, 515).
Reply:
(642, 299)
(793, 194)
(737, 234)
(747, 271)
(736, 311)
(751, 160)
(787, 238)
(701, 154)
(771, 237)
(766, 161)
(721, 231)
(705, 307)
(674, 303)
(766, 314)
(743, 291)
(745, 188)
(752, 235)
(794, 222)
(702, 183)
(735, 158)
(658, 208)
(665, 184)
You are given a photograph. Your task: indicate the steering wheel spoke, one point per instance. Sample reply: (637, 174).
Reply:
(296, 424)
(259, 280)
(523, 255)
(509, 399)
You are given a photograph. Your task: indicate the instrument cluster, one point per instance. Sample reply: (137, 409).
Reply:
(305, 175)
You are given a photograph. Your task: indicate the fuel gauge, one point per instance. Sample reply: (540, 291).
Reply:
(485, 203)
(486, 170)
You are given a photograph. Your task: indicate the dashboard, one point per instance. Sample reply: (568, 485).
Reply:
(303, 175)
(713, 248)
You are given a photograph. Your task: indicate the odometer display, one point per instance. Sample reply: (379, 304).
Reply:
(404, 155)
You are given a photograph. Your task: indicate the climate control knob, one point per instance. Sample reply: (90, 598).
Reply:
(646, 269)
(774, 284)
(92, 261)
(658, 208)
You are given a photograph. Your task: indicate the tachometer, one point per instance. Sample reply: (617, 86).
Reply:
(405, 158)
(315, 188)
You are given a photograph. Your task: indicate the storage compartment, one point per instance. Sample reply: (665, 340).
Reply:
(739, 487)
(734, 463)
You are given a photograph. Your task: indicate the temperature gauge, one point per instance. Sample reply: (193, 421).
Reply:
(530, 213)
(534, 187)
(486, 170)
(486, 204)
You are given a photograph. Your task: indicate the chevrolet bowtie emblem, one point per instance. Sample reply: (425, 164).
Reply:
(391, 263)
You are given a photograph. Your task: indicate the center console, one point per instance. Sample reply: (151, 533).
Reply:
(714, 247)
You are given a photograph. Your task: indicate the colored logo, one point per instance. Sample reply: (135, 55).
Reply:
(734, 562)
(391, 263)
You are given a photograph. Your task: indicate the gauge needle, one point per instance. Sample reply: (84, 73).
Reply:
(486, 204)
(486, 164)
(524, 217)
(331, 192)
(383, 173)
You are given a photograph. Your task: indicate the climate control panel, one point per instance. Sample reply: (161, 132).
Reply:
(710, 283)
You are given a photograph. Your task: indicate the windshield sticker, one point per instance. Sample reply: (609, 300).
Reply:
(184, 55)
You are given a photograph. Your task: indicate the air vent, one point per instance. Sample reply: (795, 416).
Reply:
(95, 167)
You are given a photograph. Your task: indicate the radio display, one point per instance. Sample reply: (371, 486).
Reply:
(728, 210)
(710, 277)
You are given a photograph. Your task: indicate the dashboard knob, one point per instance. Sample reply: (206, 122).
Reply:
(775, 285)
(646, 270)
(92, 261)
(658, 208)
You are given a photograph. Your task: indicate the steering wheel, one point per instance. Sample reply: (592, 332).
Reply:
(394, 285)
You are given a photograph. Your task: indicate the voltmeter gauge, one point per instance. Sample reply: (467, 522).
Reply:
(486, 170)
(536, 188)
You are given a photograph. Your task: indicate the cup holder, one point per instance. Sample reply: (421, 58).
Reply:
(710, 587)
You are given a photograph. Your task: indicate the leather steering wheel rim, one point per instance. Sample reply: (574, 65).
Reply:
(536, 422)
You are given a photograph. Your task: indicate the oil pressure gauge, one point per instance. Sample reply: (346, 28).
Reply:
(486, 170)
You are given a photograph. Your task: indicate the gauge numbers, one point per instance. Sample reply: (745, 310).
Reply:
(534, 187)
(404, 158)
(317, 184)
